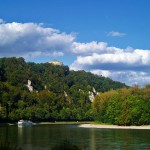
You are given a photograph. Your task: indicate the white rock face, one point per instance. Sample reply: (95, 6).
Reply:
(45, 87)
(94, 91)
(91, 96)
(65, 93)
(29, 86)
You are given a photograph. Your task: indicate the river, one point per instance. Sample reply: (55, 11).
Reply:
(43, 137)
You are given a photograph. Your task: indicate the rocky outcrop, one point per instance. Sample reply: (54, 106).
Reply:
(30, 88)
(92, 94)
(65, 93)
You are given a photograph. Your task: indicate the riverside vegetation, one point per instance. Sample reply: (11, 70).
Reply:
(127, 106)
(61, 94)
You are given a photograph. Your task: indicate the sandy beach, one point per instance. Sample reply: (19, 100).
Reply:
(113, 126)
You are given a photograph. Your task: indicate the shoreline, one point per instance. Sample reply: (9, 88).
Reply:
(54, 123)
(99, 126)
(87, 124)
(66, 122)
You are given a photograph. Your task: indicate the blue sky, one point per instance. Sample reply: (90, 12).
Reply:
(106, 37)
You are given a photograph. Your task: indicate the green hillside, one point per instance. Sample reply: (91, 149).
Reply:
(58, 93)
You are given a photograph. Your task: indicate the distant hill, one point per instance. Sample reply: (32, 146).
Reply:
(55, 93)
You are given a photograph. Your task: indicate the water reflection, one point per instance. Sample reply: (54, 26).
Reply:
(43, 137)
(92, 139)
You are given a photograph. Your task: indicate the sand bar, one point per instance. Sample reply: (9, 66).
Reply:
(113, 126)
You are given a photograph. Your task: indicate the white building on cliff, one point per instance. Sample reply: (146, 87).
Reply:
(57, 63)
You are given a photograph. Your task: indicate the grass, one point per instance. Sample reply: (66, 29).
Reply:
(101, 123)
(67, 122)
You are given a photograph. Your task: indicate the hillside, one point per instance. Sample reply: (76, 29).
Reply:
(48, 92)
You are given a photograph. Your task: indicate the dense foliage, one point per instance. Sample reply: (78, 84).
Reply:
(127, 106)
(59, 94)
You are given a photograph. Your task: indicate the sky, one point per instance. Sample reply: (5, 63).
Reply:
(105, 37)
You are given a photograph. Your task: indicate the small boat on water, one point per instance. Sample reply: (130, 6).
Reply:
(22, 123)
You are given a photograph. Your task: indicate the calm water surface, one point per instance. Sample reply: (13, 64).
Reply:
(43, 137)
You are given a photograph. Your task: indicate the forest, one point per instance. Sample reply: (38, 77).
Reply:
(126, 106)
(58, 93)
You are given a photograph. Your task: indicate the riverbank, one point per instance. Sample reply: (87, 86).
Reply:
(99, 126)
(87, 124)
(67, 122)
(55, 122)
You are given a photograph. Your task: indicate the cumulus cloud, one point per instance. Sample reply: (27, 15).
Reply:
(126, 65)
(1, 21)
(93, 47)
(129, 77)
(116, 61)
(88, 48)
(31, 39)
(116, 34)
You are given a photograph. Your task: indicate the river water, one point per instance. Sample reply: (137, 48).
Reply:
(43, 137)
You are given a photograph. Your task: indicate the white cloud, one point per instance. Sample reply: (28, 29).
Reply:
(104, 73)
(126, 65)
(86, 48)
(116, 61)
(129, 77)
(54, 54)
(39, 53)
(1, 21)
(93, 47)
(29, 39)
(116, 34)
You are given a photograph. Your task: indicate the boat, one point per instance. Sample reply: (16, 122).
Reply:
(25, 123)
